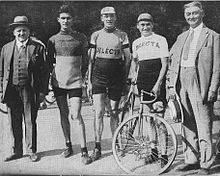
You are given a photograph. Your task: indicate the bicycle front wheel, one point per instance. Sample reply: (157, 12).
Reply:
(133, 144)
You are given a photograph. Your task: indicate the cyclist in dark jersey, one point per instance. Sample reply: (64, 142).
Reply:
(68, 51)
(109, 55)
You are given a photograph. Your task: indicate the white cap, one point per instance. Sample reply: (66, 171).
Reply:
(145, 16)
(106, 10)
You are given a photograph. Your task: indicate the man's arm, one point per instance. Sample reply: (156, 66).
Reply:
(162, 75)
(215, 80)
(85, 61)
(127, 57)
(43, 72)
(1, 72)
(50, 55)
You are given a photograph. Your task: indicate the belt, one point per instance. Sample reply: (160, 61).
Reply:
(182, 67)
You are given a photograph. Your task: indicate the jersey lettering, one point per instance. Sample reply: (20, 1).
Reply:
(148, 43)
(108, 51)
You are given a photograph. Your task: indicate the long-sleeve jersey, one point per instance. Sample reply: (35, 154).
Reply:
(68, 51)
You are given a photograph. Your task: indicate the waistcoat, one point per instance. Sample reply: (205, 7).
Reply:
(20, 67)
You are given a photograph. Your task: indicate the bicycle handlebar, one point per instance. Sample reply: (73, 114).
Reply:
(152, 94)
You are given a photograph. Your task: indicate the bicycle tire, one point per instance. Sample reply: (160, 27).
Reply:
(125, 151)
(3, 108)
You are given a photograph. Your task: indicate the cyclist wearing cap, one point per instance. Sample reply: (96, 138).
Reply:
(68, 50)
(150, 62)
(109, 53)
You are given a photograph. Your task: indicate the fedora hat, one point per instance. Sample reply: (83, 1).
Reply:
(175, 110)
(20, 21)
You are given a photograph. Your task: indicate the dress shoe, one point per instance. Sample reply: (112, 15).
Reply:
(187, 167)
(203, 171)
(33, 157)
(13, 157)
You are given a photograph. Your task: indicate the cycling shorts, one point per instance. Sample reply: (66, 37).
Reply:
(108, 77)
(71, 92)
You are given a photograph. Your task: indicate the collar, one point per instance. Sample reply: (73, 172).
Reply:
(110, 30)
(198, 29)
(19, 44)
(151, 35)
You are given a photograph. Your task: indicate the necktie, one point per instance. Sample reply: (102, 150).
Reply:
(187, 45)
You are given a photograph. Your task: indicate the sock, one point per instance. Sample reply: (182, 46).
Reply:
(98, 145)
(84, 150)
(68, 144)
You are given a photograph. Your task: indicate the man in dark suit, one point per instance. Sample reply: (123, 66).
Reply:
(23, 85)
(194, 79)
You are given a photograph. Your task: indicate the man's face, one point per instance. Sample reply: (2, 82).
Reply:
(65, 20)
(193, 16)
(21, 33)
(109, 20)
(145, 27)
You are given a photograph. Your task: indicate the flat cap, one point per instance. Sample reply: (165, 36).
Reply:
(106, 10)
(145, 17)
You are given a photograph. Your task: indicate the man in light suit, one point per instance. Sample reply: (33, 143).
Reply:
(194, 79)
(23, 85)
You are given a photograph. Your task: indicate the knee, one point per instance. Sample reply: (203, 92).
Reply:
(100, 113)
(114, 113)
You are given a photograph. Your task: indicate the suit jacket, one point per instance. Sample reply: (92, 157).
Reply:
(207, 61)
(37, 68)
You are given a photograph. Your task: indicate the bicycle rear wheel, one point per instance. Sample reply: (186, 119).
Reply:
(131, 146)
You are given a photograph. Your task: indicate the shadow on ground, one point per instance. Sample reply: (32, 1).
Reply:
(106, 146)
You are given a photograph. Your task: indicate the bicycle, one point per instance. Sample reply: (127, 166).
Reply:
(131, 143)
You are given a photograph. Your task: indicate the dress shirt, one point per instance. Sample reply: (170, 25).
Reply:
(190, 62)
(20, 44)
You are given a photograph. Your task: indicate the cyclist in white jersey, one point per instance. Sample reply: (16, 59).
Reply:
(150, 63)
(109, 58)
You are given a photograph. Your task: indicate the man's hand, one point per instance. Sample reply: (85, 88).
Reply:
(212, 96)
(41, 97)
(171, 94)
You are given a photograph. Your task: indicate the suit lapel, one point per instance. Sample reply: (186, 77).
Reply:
(10, 51)
(182, 42)
(204, 34)
(30, 48)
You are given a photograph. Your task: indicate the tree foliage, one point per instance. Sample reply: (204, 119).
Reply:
(168, 16)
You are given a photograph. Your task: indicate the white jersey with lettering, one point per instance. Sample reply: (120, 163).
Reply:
(151, 47)
(109, 45)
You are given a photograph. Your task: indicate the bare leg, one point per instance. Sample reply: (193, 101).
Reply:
(114, 115)
(64, 114)
(76, 105)
(99, 105)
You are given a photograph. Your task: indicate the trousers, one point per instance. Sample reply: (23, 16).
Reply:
(22, 105)
(197, 125)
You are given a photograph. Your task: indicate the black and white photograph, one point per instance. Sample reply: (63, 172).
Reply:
(110, 87)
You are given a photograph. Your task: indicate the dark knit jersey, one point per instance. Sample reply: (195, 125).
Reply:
(66, 50)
